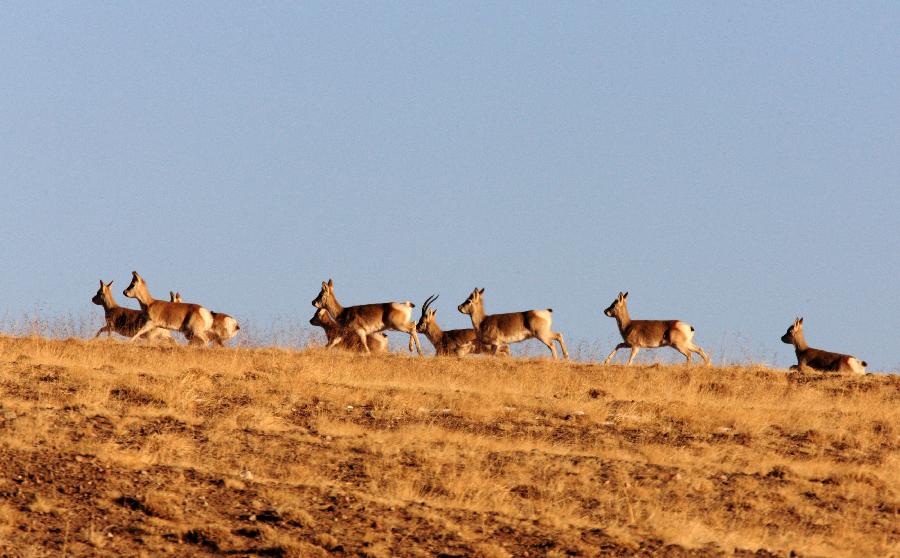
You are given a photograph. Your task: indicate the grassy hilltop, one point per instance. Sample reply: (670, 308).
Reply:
(113, 449)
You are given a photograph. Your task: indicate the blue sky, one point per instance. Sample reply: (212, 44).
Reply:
(731, 165)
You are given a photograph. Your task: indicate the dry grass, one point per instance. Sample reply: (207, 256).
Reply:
(111, 449)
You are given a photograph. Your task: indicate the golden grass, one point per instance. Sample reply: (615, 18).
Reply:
(110, 448)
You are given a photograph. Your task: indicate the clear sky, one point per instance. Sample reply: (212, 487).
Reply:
(731, 165)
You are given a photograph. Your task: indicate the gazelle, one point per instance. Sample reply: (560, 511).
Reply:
(193, 320)
(817, 359)
(650, 334)
(375, 342)
(224, 326)
(496, 330)
(458, 342)
(124, 321)
(366, 319)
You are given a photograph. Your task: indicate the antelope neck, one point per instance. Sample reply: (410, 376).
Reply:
(143, 295)
(623, 319)
(477, 315)
(434, 333)
(108, 302)
(333, 306)
(800, 341)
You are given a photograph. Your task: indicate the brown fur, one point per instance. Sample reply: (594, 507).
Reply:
(375, 342)
(817, 359)
(368, 318)
(641, 334)
(458, 342)
(124, 321)
(496, 330)
(193, 320)
(224, 326)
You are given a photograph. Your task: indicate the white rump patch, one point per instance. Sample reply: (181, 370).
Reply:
(544, 315)
(856, 366)
(685, 330)
(405, 307)
(230, 327)
(207, 318)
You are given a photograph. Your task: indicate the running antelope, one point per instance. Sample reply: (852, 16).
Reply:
(224, 326)
(817, 359)
(496, 330)
(459, 342)
(368, 318)
(124, 321)
(193, 320)
(650, 334)
(376, 342)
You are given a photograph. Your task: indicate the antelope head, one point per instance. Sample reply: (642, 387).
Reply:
(795, 330)
(136, 286)
(617, 306)
(428, 313)
(104, 295)
(321, 318)
(473, 303)
(325, 295)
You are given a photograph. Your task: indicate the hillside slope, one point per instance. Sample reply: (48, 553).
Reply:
(109, 449)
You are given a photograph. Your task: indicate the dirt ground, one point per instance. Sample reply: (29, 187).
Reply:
(108, 449)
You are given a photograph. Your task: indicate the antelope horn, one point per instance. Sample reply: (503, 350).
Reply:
(428, 302)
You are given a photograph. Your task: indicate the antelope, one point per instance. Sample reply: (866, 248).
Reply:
(124, 321)
(817, 359)
(375, 342)
(458, 342)
(193, 320)
(650, 334)
(224, 326)
(366, 319)
(495, 330)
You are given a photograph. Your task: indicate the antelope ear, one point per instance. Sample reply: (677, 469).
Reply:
(433, 311)
(101, 282)
(109, 284)
(625, 296)
(800, 321)
(330, 283)
(480, 291)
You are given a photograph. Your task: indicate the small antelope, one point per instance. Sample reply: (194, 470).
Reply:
(193, 320)
(124, 321)
(650, 334)
(366, 319)
(817, 359)
(496, 330)
(376, 342)
(459, 342)
(224, 326)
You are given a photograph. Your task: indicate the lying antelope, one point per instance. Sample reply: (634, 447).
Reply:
(817, 359)
(124, 321)
(458, 342)
(496, 330)
(224, 326)
(366, 319)
(650, 334)
(193, 320)
(375, 342)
